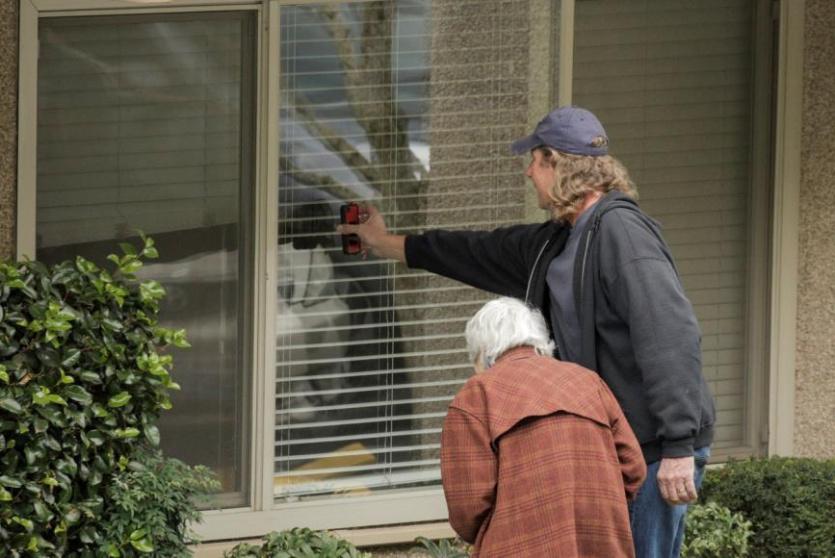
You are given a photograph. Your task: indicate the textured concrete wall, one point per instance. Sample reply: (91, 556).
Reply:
(815, 403)
(8, 124)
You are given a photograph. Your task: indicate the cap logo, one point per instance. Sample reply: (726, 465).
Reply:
(599, 141)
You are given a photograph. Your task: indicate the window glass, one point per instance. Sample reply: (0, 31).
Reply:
(145, 123)
(410, 105)
(672, 82)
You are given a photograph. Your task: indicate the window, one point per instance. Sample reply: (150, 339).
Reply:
(674, 84)
(408, 105)
(232, 130)
(145, 123)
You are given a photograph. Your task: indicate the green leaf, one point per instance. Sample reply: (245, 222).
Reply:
(139, 540)
(128, 248)
(11, 406)
(72, 516)
(40, 425)
(96, 437)
(49, 481)
(152, 434)
(119, 400)
(90, 377)
(56, 399)
(71, 358)
(151, 290)
(6, 480)
(53, 414)
(113, 325)
(4, 376)
(43, 397)
(85, 266)
(143, 545)
(130, 265)
(5, 495)
(78, 393)
(41, 512)
(130, 432)
(150, 253)
(25, 523)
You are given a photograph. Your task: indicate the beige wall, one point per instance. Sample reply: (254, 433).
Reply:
(815, 402)
(8, 124)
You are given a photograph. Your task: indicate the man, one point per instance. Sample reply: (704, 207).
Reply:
(604, 277)
(536, 443)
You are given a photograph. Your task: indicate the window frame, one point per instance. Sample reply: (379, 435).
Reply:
(773, 259)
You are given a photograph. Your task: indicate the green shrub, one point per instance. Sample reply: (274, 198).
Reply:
(298, 543)
(789, 501)
(150, 503)
(714, 531)
(444, 548)
(82, 383)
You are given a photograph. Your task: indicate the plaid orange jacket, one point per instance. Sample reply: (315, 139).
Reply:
(537, 460)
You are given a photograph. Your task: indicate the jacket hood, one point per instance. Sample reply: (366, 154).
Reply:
(523, 385)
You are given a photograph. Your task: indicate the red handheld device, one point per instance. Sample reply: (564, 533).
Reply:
(349, 214)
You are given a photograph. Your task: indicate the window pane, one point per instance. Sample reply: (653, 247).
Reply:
(146, 123)
(672, 83)
(411, 105)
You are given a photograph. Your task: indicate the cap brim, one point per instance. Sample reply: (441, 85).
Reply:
(524, 145)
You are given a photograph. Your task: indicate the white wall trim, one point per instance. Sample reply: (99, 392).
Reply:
(565, 83)
(267, 248)
(396, 507)
(375, 536)
(27, 139)
(786, 228)
(540, 84)
(154, 5)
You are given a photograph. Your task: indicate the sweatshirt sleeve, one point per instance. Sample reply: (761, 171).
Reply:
(632, 465)
(663, 331)
(495, 261)
(468, 472)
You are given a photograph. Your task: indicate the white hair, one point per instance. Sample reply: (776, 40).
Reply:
(502, 324)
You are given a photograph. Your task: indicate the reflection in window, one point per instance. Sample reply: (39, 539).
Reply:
(369, 353)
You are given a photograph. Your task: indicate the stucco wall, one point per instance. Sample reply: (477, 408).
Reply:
(8, 124)
(815, 403)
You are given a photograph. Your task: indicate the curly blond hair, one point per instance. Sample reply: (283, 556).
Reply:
(578, 175)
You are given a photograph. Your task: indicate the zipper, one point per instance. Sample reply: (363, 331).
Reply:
(589, 234)
(533, 270)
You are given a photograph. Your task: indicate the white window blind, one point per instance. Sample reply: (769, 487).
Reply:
(410, 105)
(671, 80)
(145, 122)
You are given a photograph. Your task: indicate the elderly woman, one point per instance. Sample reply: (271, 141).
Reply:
(537, 458)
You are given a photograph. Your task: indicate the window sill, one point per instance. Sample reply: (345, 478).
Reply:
(376, 536)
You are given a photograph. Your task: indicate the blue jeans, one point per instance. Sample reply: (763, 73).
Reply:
(658, 527)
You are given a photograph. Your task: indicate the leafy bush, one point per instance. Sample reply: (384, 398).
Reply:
(714, 531)
(82, 383)
(149, 504)
(444, 548)
(298, 543)
(789, 501)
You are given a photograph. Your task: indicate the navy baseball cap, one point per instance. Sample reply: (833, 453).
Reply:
(567, 129)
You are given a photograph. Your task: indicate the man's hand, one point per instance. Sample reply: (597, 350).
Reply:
(676, 480)
(375, 236)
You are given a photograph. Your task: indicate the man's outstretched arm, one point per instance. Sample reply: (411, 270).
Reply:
(375, 236)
